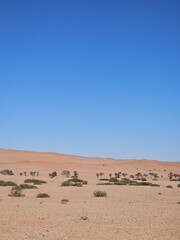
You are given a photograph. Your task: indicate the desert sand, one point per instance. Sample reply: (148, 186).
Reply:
(127, 212)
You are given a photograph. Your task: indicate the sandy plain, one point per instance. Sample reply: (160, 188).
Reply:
(128, 212)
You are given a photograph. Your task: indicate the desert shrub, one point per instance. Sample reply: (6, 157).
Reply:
(99, 193)
(113, 179)
(135, 183)
(67, 184)
(155, 185)
(35, 181)
(70, 183)
(104, 179)
(106, 183)
(6, 172)
(53, 174)
(8, 183)
(27, 186)
(16, 191)
(75, 180)
(178, 185)
(144, 184)
(169, 186)
(42, 195)
(64, 201)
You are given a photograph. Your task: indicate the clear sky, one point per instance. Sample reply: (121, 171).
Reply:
(93, 78)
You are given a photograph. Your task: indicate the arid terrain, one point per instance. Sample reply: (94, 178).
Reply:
(131, 210)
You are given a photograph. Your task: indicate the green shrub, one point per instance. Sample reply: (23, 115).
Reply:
(76, 182)
(135, 183)
(8, 183)
(144, 184)
(35, 181)
(27, 186)
(67, 184)
(42, 195)
(99, 193)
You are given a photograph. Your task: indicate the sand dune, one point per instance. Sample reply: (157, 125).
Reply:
(51, 160)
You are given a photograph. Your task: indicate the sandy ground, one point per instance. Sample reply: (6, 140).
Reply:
(128, 212)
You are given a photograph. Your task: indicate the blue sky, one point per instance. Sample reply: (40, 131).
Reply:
(94, 78)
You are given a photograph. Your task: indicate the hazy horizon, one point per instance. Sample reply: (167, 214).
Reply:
(94, 78)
